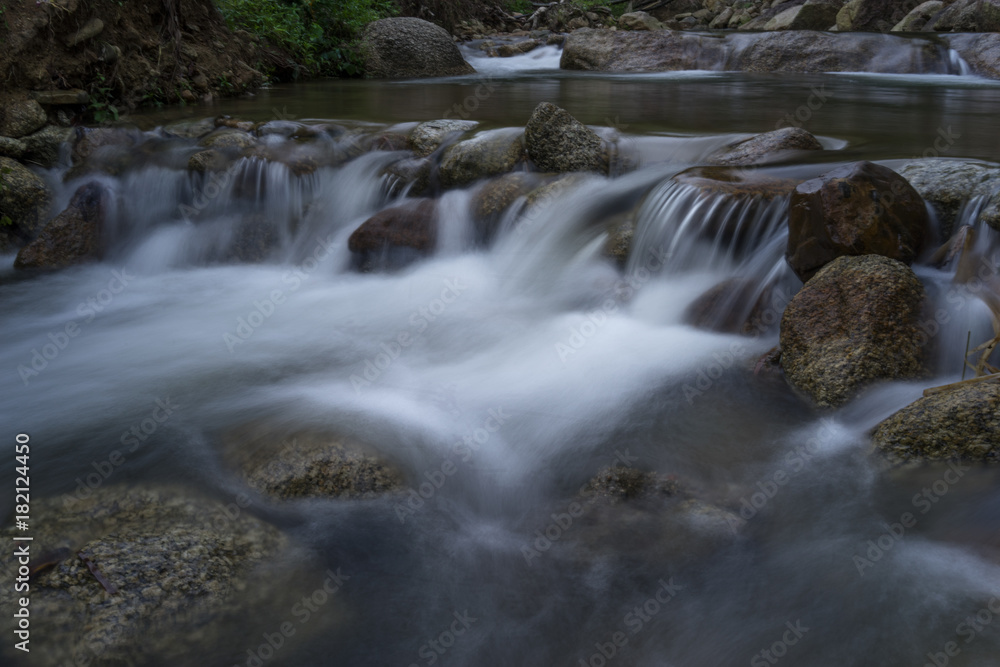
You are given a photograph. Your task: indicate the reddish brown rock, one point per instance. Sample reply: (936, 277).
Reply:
(411, 228)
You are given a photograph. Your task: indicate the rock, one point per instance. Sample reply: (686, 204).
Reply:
(61, 97)
(144, 571)
(428, 137)
(228, 139)
(518, 48)
(766, 147)
(254, 238)
(962, 423)
(412, 172)
(640, 51)
(21, 117)
(870, 15)
(90, 30)
(24, 199)
(812, 15)
(308, 464)
(12, 148)
(947, 185)
(980, 51)
(44, 147)
(731, 182)
(806, 51)
(492, 200)
(488, 154)
(857, 209)
(208, 160)
(621, 231)
(736, 305)
(410, 48)
(395, 236)
(639, 21)
(968, 16)
(91, 141)
(557, 142)
(853, 323)
(190, 129)
(919, 16)
(72, 237)
(722, 20)
(617, 484)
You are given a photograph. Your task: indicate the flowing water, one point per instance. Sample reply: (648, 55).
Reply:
(529, 366)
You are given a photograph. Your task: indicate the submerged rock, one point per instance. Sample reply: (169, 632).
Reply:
(736, 305)
(855, 322)
(961, 423)
(557, 142)
(72, 237)
(948, 185)
(395, 236)
(306, 464)
(410, 48)
(766, 147)
(492, 200)
(858, 209)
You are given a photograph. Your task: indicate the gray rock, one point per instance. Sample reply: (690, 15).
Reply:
(518, 48)
(428, 137)
(640, 51)
(722, 20)
(21, 118)
(812, 15)
(870, 15)
(639, 21)
(61, 97)
(24, 199)
(949, 184)
(980, 51)
(90, 30)
(968, 16)
(410, 48)
(72, 237)
(489, 154)
(228, 139)
(961, 423)
(918, 17)
(207, 161)
(557, 142)
(493, 199)
(766, 147)
(854, 323)
(44, 147)
(190, 129)
(12, 148)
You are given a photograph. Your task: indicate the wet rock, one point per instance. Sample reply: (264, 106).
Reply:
(414, 173)
(918, 16)
(557, 142)
(208, 160)
(190, 129)
(390, 141)
(489, 154)
(90, 30)
(640, 51)
(639, 21)
(853, 323)
(961, 423)
(493, 199)
(92, 141)
(72, 237)
(737, 305)
(12, 148)
(410, 48)
(968, 16)
(21, 117)
(307, 464)
(858, 209)
(811, 15)
(24, 199)
(621, 231)
(428, 137)
(141, 572)
(766, 147)
(254, 239)
(228, 139)
(395, 236)
(617, 484)
(870, 15)
(736, 182)
(518, 48)
(980, 51)
(235, 123)
(61, 97)
(722, 20)
(44, 147)
(947, 185)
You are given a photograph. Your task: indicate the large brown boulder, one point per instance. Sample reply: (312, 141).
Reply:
(72, 237)
(857, 209)
(405, 47)
(959, 423)
(559, 143)
(396, 236)
(852, 324)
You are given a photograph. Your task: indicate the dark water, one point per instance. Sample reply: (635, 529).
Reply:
(466, 578)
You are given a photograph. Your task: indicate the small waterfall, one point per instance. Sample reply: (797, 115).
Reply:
(957, 64)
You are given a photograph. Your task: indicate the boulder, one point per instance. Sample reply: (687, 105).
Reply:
(44, 147)
(488, 154)
(960, 423)
(208, 160)
(855, 322)
(72, 237)
(21, 117)
(412, 173)
(641, 51)
(722, 20)
(811, 15)
(492, 200)
(870, 15)
(918, 16)
(557, 142)
(428, 137)
(621, 232)
(129, 573)
(766, 147)
(980, 51)
(947, 185)
(968, 16)
(405, 47)
(857, 209)
(307, 464)
(395, 236)
(639, 21)
(24, 201)
(12, 148)
(87, 32)
(518, 48)
(92, 141)
(233, 139)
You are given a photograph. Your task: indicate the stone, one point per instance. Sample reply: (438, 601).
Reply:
(21, 117)
(45, 147)
(557, 142)
(961, 423)
(229, 139)
(207, 161)
(640, 51)
(980, 51)
(722, 20)
(947, 185)
(90, 30)
(968, 16)
(919, 16)
(408, 47)
(518, 48)
(857, 209)
(428, 137)
(12, 148)
(495, 197)
(766, 147)
(488, 154)
(736, 305)
(24, 200)
(870, 15)
(395, 236)
(639, 21)
(854, 323)
(61, 97)
(72, 237)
